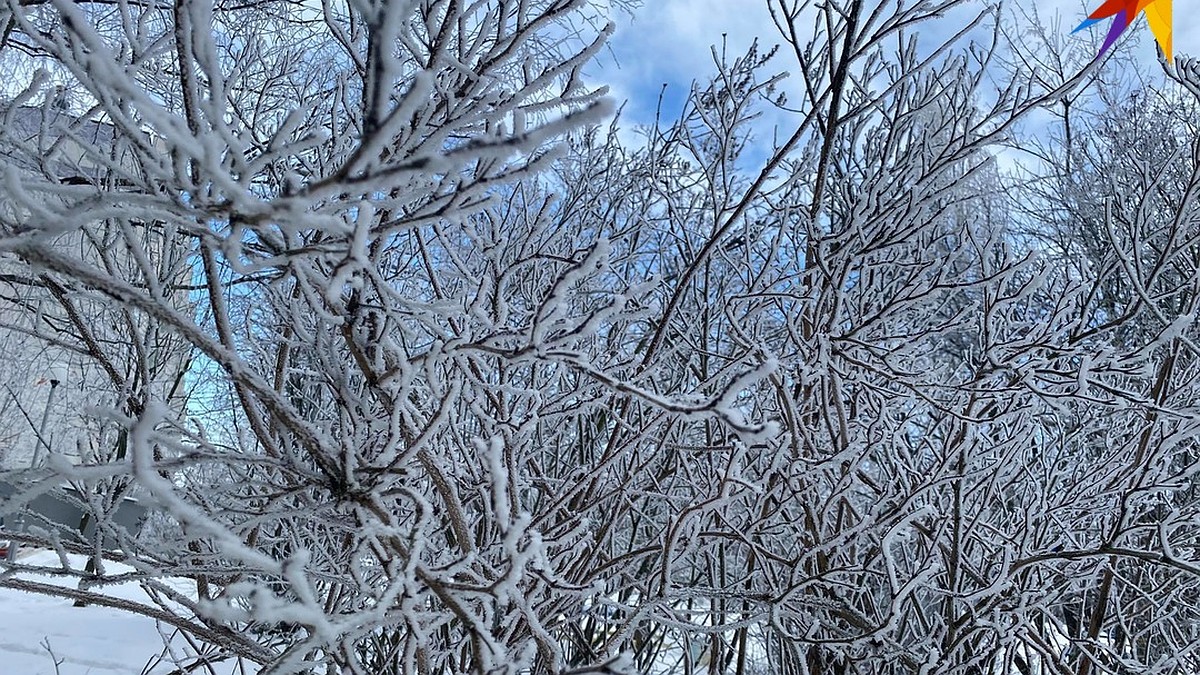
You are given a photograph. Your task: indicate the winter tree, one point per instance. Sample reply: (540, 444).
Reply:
(419, 368)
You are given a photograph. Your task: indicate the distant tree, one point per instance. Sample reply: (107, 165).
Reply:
(1114, 207)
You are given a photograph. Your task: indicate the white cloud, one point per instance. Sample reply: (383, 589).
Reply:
(669, 42)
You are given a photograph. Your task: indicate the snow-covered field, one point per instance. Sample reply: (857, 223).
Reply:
(84, 640)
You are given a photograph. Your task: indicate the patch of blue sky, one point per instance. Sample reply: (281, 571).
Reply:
(659, 50)
(210, 401)
(671, 44)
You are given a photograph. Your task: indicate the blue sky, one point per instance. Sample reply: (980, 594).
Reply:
(668, 41)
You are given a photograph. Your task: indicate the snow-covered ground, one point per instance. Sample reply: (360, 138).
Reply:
(84, 640)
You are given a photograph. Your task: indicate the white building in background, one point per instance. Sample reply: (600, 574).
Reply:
(65, 351)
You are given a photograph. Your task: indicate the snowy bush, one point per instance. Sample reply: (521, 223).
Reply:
(420, 368)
